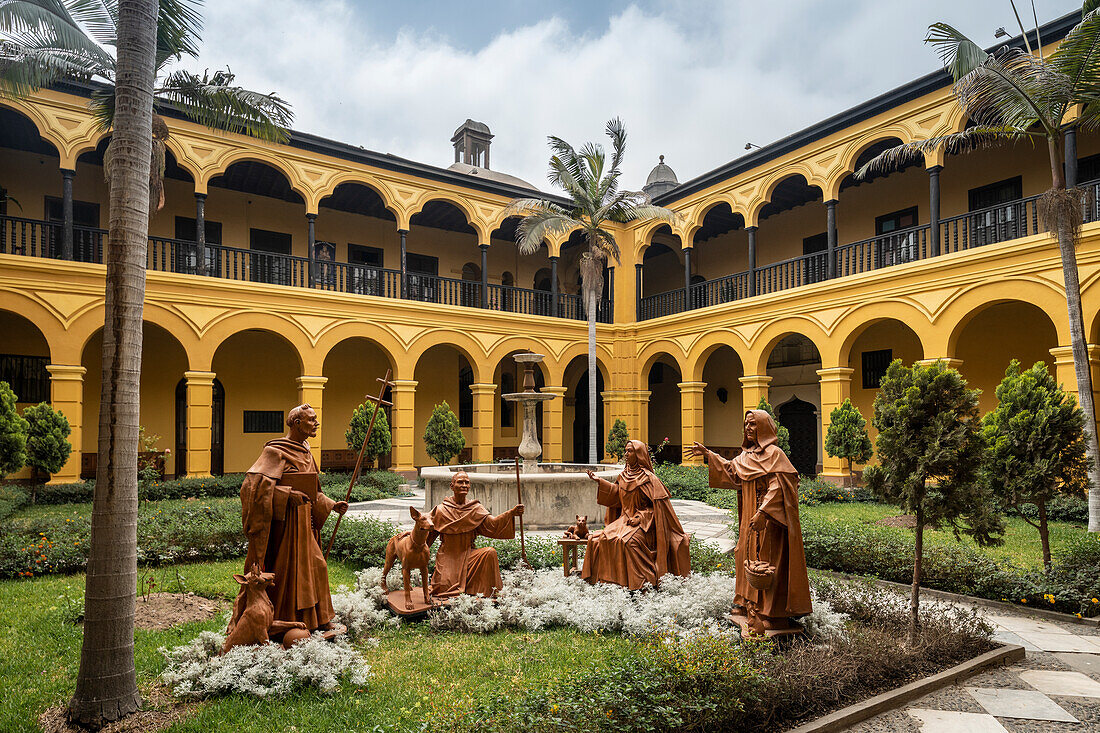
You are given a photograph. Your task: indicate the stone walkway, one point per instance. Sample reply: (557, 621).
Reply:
(702, 520)
(1055, 688)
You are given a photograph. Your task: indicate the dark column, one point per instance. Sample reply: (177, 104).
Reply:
(554, 286)
(484, 275)
(67, 213)
(200, 233)
(934, 210)
(1071, 157)
(638, 289)
(830, 223)
(752, 260)
(312, 220)
(404, 267)
(687, 278)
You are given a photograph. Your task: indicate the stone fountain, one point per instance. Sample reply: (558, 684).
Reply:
(552, 492)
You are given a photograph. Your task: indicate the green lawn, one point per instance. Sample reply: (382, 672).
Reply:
(1021, 540)
(84, 509)
(415, 669)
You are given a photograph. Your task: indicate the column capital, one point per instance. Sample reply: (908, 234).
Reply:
(832, 202)
(402, 231)
(311, 216)
(836, 374)
(315, 382)
(951, 362)
(755, 380)
(404, 385)
(66, 372)
(68, 172)
(200, 196)
(483, 388)
(559, 391)
(692, 387)
(200, 379)
(1064, 354)
(934, 168)
(622, 395)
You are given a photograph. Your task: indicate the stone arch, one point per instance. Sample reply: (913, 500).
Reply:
(775, 331)
(237, 155)
(954, 315)
(180, 153)
(62, 346)
(381, 338)
(855, 149)
(767, 190)
(29, 115)
(362, 179)
(702, 349)
(651, 352)
(470, 349)
(699, 214)
(467, 209)
(216, 336)
(857, 321)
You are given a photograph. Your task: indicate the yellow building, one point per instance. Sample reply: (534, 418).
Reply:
(281, 274)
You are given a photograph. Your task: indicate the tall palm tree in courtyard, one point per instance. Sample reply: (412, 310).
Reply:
(595, 200)
(106, 685)
(45, 41)
(1013, 95)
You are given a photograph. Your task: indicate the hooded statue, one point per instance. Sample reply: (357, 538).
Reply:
(642, 540)
(768, 498)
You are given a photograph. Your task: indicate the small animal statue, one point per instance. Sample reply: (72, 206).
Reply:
(259, 614)
(578, 531)
(411, 548)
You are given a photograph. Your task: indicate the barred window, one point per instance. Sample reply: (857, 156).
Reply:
(27, 377)
(874, 367)
(263, 421)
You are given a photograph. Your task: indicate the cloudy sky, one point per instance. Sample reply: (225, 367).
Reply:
(692, 79)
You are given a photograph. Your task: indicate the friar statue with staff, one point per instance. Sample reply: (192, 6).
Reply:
(772, 585)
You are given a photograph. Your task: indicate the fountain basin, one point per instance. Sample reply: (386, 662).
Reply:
(552, 496)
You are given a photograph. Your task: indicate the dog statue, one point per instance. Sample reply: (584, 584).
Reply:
(578, 531)
(258, 619)
(411, 548)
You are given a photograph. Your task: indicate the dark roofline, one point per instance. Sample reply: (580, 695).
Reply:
(1055, 30)
(344, 151)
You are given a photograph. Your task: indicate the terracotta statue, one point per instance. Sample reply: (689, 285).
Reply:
(642, 540)
(771, 584)
(578, 530)
(283, 510)
(459, 567)
(411, 548)
(258, 621)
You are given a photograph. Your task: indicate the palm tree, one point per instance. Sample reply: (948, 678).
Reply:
(44, 41)
(595, 200)
(106, 685)
(1013, 95)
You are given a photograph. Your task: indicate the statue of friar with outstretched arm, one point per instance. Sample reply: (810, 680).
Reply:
(769, 543)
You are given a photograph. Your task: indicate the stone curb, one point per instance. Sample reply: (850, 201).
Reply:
(849, 716)
(959, 598)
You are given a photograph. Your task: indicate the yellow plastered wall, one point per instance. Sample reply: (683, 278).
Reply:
(665, 271)
(163, 363)
(352, 367)
(858, 206)
(981, 167)
(437, 380)
(723, 423)
(780, 236)
(903, 344)
(997, 335)
(258, 371)
(722, 255)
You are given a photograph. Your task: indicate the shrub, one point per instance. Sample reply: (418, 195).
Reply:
(782, 434)
(847, 437)
(371, 485)
(684, 482)
(13, 433)
(48, 446)
(617, 438)
(442, 435)
(380, 443)
(813, 490)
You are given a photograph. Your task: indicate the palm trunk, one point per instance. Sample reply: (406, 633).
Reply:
(593, 457)
(918, 562)
(106, 685)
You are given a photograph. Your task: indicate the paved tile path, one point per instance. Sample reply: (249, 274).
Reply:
(1056, 688)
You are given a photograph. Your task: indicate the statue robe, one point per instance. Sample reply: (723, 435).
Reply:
(459, 566)
(632, 556)
(766, 481)
(285, 540)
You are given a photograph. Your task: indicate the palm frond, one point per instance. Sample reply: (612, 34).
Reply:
(616, 130)
(563, 175)
(24, 70)
(40, 42)
(213, 101)
(959, 54)
(179, 30)
(606, 243)
(537, 227)
(98, 17)
(1013, 89)
(1088, 6)
(958, 142)
(1078, 58)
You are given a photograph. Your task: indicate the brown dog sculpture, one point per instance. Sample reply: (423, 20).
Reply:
(578, 531)
(411, 548)
(258, 618)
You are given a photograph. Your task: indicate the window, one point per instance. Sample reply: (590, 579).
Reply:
(85, 213)
(998, 218)
(1088, 169)
(187, 257)
(363, 277)
(86, 245)
(465, 398)
(360, 254)
(874, 367)
(422, 271)
(263, 421)
(816, 267)
(266, 265)
(897, 248)
(892, 222)
(186, 228)
(27, 377)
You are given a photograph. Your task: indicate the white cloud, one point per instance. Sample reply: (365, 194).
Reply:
(694, 80)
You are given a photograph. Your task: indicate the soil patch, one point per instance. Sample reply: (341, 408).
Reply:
(160, 611)
(160, 711)
(905, 521)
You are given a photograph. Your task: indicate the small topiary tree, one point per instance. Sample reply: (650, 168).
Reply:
(930, 452)
(13, 433)
(847, 437)
(1036, 439)
(442, 436)
(616, 441)
(783, 435)
(380, 442)
(48, 446)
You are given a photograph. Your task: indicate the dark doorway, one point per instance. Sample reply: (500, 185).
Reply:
(800, 418)
(580, 420)
(217, 429)
(270, 256)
